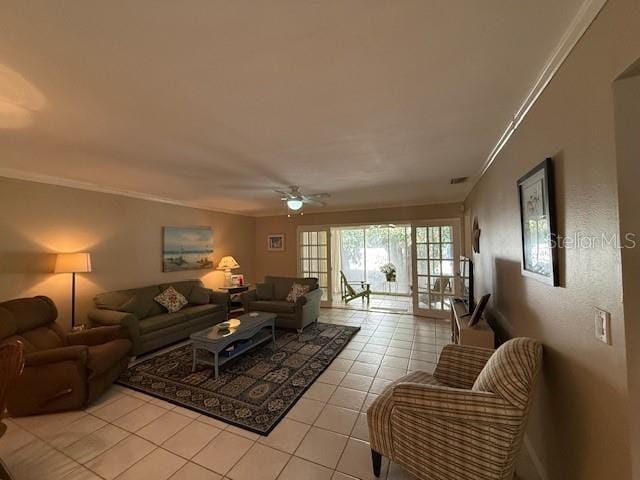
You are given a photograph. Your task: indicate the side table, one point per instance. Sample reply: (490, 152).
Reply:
(235, 305)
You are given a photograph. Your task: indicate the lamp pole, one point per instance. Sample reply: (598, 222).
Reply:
(73, 299)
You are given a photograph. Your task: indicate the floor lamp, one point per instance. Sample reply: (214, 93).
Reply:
(73, 263)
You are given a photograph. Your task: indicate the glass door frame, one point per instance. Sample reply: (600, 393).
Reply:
(457, 242)
(316, 228)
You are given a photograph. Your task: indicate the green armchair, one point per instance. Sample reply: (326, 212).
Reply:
(271, 296)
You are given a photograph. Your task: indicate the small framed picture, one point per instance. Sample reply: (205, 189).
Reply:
(275, 242)
(237, 280)
(538, 224)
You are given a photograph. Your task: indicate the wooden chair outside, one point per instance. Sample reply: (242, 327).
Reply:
(349, 293)
(11, 365)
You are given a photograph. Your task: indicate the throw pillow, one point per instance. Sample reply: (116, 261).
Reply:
(296, 292)
(199, 295)
(136, 306)
(264, 291)
(171, 299)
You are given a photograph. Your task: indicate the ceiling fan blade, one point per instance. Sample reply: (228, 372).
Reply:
(313, 201)
(318, 195)
(286, 194)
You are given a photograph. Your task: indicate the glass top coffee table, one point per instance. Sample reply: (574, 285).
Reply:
(240, 335)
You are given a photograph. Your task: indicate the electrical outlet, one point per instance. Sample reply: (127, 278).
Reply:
(603, 326)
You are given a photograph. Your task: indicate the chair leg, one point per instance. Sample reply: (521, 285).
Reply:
(376, 459)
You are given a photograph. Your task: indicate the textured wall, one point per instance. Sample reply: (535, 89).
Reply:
(124, 236)
(579, 424)
(627, 102)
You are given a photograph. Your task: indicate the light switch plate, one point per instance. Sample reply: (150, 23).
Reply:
(603, 326)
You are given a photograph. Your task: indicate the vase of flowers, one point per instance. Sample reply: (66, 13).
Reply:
(389, 270)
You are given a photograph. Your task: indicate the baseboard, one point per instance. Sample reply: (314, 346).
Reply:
(535, 460)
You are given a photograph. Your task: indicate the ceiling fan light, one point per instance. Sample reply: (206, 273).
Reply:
(294, 204)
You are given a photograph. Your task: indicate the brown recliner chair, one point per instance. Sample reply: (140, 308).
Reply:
(62, 371)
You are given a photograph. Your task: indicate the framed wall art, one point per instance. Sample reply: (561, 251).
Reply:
(187, 248)
(275, 242)
(536, 195)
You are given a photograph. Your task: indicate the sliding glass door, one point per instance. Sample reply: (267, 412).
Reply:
(314, 252)
(435, 254)
(361, 252)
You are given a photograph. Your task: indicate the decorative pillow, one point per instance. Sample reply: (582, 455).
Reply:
(137, 306)
(264, 291)
(199, 295)
(296, 292)
(171, 299)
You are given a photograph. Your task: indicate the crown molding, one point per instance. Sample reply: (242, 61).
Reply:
(94, 187)
(585, 16)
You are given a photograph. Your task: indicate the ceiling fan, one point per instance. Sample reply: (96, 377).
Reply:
(295, 200)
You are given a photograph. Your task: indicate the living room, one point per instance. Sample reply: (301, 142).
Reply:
(176, 181)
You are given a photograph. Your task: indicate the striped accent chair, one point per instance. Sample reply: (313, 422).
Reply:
(464, 422)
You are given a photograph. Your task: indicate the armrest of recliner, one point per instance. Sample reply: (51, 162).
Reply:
(460, 365)
(52, 380)
(97, 335)
(74, 353)
(456, 404)
(104, 317)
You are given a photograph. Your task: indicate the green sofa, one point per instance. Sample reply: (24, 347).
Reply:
(271, 296)
(149, 324)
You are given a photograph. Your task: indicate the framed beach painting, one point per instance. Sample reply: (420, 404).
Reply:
(538, 224)
(275, 242)
(187, 248)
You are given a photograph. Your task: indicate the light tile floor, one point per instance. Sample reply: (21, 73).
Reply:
(377, 303)
(129, 435)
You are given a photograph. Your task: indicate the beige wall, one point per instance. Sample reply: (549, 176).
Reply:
(285, 263)
(579, 424)
(627, 110)
(124, 236)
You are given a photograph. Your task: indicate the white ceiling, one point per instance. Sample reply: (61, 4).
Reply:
(218, 103)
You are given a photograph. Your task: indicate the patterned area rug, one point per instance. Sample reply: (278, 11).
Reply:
(253, 391)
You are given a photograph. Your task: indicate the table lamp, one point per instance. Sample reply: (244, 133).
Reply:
(73, 263)
(226, 264)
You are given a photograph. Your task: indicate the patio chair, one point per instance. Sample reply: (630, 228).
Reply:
(349, 293)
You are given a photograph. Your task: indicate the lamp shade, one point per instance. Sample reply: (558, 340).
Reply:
(227, 263)
(73, 263)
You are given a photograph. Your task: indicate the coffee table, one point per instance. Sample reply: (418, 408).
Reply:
(257, 327)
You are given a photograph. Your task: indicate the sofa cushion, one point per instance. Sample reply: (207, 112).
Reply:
(158, 322)
(172, 300)
(184, 287)
(103, 357)
(265, 291)
(196, 311)
(199, 295)
(273, 306)
(113, 300)
(137, 306)
(282, 285)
